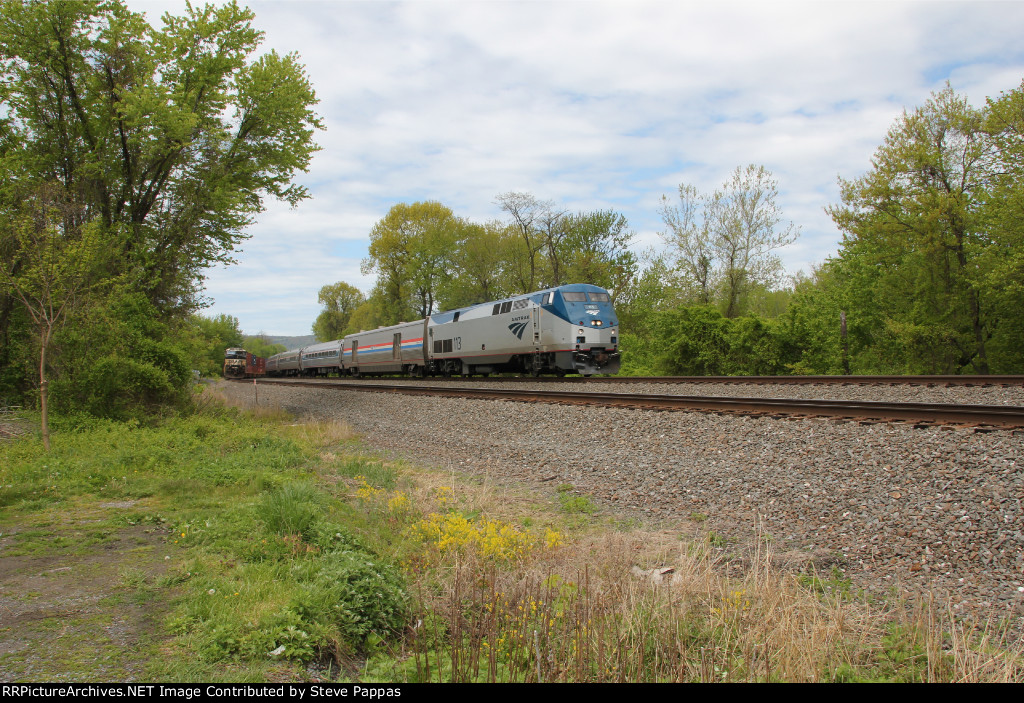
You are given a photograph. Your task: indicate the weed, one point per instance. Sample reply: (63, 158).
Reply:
(490, 539)
(291, 510)
(835, 584)
(133, 578)
(574, 504)
(716, 540)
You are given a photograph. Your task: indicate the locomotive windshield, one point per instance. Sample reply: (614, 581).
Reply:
(234, 354)
(571, 297)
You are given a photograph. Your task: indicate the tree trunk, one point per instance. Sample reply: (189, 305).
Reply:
(979, 332)
(43, 391)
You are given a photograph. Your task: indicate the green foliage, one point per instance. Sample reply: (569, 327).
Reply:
(123, 362)
(1001, 262)
(210, 338)
(428, 259)
(271, 574)
(352, 591)
(574, 504)
(928, 274)
(155, 150)
(544, 246)
(479, 262)
(703, 342)
(535, 225)
(696, 343)
(340, 301)
(260, 347)
(640, 335)
(291, 510)
(179, 135)
(119, 460)
(914, 231)
(306, 585)
(595, 250)
(53, 266)
(409, 252)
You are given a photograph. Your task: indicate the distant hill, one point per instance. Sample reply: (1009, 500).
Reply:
(290, 343)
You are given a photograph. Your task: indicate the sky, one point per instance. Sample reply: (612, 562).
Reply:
(593, 105)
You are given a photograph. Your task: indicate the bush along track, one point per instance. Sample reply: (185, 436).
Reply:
(227, 546)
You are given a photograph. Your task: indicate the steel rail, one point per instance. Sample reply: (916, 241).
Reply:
(1002, 416)
(932, 380)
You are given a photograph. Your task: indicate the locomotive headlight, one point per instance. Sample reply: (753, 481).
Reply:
(581, 330)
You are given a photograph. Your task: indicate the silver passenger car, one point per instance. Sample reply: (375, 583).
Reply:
(321, 359)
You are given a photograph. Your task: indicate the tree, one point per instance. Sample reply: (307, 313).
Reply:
(594, 248)
(53, 272)
(1001, 263)
(479, 265)
(916, 223)
(260, 346)
(724, 242)
(410, 251)
(213, 335)
(168, 139)
(340, 300)
(535, 223)
(367, 316)
(689, 235)
(554, 229)
(164, 145)
(122, 360)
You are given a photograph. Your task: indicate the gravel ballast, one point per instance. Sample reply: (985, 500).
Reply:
(917, 510)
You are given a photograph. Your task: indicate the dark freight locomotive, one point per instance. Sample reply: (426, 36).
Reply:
(238, 363)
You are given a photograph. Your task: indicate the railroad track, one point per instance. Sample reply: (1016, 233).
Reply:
(987, 380)
(934, 380)
(982, 417)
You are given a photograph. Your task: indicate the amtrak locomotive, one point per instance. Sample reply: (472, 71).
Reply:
(568, 329)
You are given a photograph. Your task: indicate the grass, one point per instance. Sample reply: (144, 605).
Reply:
(261, 547)
(574, 504)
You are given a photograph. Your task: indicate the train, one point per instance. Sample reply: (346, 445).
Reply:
(561, 330)
(238, 363)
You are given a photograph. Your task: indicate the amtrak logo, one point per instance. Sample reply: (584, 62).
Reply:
(517, 328)
(593, 312)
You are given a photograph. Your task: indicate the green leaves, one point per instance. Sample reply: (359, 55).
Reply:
(410, 251)
(174, 133)
(340, 300)
(162, 146)
(914, 227)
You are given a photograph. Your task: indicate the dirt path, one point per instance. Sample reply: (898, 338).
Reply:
(78, 595)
